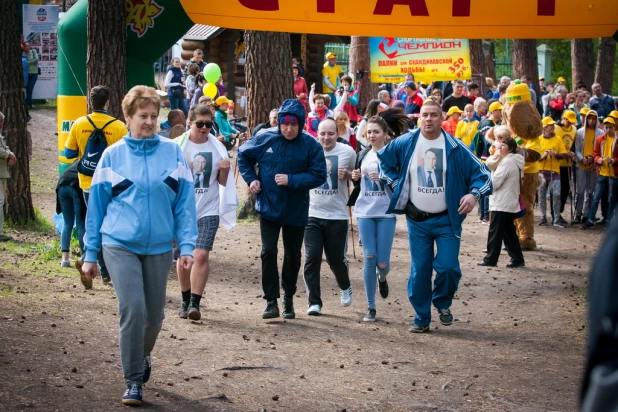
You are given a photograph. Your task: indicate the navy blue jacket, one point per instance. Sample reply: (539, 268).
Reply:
(301, 158)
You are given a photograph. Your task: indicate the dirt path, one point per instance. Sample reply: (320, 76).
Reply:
(517, 343)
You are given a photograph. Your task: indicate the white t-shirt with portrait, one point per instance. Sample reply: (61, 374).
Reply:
(329, 201)
(428, 174)
(375, 196)
(203, 159)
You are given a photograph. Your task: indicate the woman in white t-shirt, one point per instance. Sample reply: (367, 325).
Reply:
(376, 227)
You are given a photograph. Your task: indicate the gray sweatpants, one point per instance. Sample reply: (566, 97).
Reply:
(586, 182)
(554, 188)
(140, 282)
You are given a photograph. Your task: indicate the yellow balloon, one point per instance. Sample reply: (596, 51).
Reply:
(210, 90)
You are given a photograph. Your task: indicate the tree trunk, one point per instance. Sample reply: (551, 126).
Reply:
(107, 57)
(268, 74)
(582, 62)
(525, 61)
(491, 67)
(606, 60)
(360, 60)
(477, 61)
(19, 205)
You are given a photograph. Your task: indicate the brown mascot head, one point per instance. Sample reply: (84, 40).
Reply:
(520, 112)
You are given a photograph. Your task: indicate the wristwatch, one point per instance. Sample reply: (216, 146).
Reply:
(476, 194)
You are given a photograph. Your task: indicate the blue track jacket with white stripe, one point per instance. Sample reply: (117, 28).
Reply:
(141, 197)
(464, 173)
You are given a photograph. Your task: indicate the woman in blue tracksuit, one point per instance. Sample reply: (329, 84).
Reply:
(291, 163)
(457, 189)
(141, 197)
(176, 89)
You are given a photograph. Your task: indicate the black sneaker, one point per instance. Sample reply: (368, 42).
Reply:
(559, 224)
(484, 263)
(147, 365)
(414, 328)
(561, 220)
(370, 316)
(543, 221)
(383, 287)
(183, 313)
(587, 225)
(288, 307)
(272, 310)
(446, 317)
(578, 220)
(194, 312)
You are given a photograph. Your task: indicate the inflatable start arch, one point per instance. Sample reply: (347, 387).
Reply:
(154, 25)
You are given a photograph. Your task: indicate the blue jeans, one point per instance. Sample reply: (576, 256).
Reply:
(605, 186)
(484, 208)
(104, 271)
(32, 78)
(178, 103)
(422, 236)
(71, 205)
(377, 236)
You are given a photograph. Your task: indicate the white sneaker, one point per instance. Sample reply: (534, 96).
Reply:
(314, 310)
(346, 296)
(65, 264)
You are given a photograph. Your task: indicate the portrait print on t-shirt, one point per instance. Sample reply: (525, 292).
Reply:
(332, 179)
(202, 168)
(371, 185)
(430, 169)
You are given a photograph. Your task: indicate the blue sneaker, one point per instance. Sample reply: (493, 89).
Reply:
(147, 368)
(133, 394)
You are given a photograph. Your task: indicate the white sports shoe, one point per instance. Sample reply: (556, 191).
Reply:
(314, 310)
(346, 296)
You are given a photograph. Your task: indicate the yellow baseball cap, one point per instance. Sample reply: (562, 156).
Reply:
(548, 121)
(561, 79)
(614, 114)
(330, 56)
(609, 120)
(495, 106)
(517, 93)
(454, 110)
(570, 116)
(584, 111)
(541, 78)
(222, 100)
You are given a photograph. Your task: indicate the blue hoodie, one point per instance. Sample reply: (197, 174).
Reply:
(464, 174)
(301, 158)
(141, 197)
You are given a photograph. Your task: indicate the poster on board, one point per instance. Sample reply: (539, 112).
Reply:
(41, 31)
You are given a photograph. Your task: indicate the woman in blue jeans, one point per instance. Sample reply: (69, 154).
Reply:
(175, 87)
(70, 202)
(377, 229)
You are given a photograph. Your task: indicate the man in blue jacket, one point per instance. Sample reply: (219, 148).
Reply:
(291, 162)
(434, 214)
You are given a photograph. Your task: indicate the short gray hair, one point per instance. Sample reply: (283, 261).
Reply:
(505, 78)
(383, 93)
(479, 101)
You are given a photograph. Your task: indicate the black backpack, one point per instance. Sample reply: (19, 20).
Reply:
(97, 143)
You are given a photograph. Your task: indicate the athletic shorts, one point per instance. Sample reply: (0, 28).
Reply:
(206, 230)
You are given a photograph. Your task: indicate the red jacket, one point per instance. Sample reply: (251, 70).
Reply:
(300, 86)
(599, 144)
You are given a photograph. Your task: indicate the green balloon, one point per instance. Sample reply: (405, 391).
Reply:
(212, 72)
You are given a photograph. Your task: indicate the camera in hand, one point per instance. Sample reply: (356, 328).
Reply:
(341, 90)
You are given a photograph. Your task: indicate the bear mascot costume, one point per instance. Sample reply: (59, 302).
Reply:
(523, 119)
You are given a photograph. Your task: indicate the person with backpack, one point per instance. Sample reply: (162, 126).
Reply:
(89, 136)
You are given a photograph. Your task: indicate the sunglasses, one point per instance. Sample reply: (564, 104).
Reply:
(207, 124)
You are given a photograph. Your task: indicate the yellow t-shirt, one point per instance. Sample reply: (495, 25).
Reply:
(550, 163)
(333, 75)
(607, 169)
(588, 150)
(534, 145)
(568, 137)
(466, 131)
(80, 132)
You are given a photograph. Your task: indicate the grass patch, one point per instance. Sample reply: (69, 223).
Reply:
(39, 224)
(49, 104)
(5, 290)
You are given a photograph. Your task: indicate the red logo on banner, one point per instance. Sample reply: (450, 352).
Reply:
(388, 42)
(141, 15)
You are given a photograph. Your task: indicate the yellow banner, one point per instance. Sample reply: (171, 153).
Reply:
(427, 59)
(69, 109)
(415, 18)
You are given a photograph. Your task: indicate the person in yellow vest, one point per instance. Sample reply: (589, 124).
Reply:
(524, 121)
(75, 148)
(331, 73)
(566, 131)
(466, 128)
(606, 159)
(549, 166)
(586, 176)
